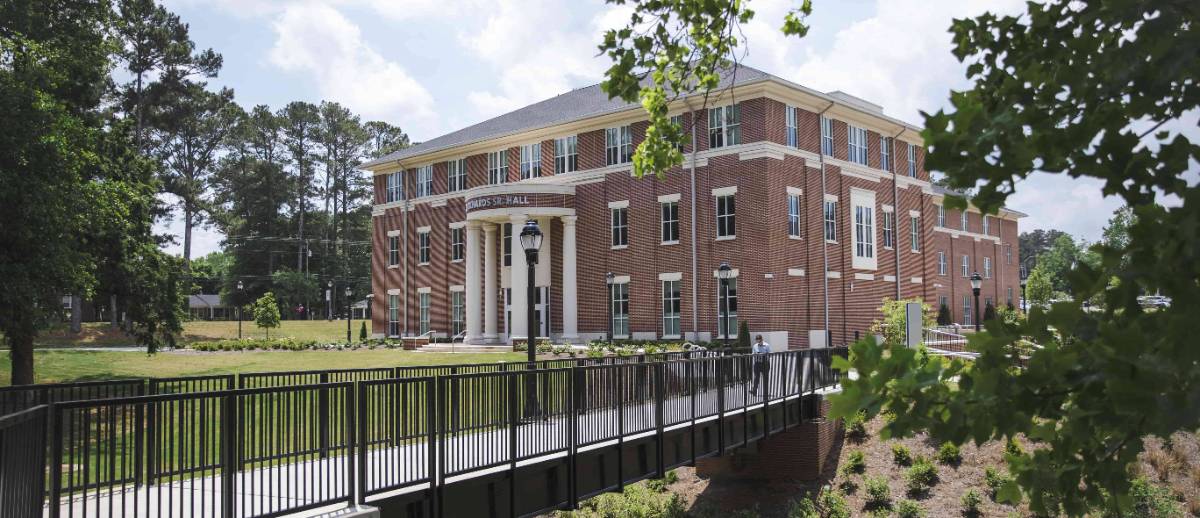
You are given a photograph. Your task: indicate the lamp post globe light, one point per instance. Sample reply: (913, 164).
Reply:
(609, 278)
(349, 312)
(240, 289)
(976, 283)
(724, 272)
(1024, 279)
(531, 241)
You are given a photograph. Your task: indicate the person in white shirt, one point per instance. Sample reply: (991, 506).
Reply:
(761, 363)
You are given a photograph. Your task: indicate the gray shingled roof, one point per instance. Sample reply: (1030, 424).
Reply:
(577, 104)
(944, 191)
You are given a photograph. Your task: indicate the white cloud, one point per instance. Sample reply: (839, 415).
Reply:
(318, 42)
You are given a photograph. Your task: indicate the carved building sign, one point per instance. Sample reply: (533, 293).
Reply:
(497, 202)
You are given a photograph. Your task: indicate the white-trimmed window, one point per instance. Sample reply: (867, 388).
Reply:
(966, 310)
(941, 216)
(457, 312)
(423, 247)
(393, 250)
(620, 226)
(425, 180)
(987, 267)
(727, 323)
(1010, 296)
(423, 311)
(618, 145)
(966, 266)
(724, 126)
(619, 299)
(862, 209)
(458, 245)
(912, 160)
(671, 308)
(792, 133)
(793, 215)
(962, 219)
(394, 190)
(566, 155)
(885, 153)
(826, 136)
(393, 315)
(831, 220)
(498, 167)
(942, 266)
(506, 238)
(856, 145)
(670, 221)
(531, 161)
(726, 217)
(1007, 253)
(677, 120)
(889, 229)
(914, 233)
(456, 175)
(986, 224)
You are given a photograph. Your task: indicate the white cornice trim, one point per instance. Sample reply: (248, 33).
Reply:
(957, 233)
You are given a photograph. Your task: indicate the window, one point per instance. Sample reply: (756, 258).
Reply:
(458, 246)
(727, 309)
(618, 145)
(393, 250)
(423, 312)
(456, 175)
(1007, 254)
(941, 216)
(531, 161)
(423, 247)
(724, 126)
(985, 224)
(566, 155)
(966, 310)
(885, 153)
(506, 238)
(457, 312)
(670, 298)
(792, 134)
(863, 211)
(726, 217)
(826, 136)
(987, 267)
(619, 299)
(1010, 295)
(942, 266)
(914, 233)
(620, 226)
(831, 220)
(962, 217)
(393, 315)
(395, 187)
(498, 167)
(966, 266)
(670, 222)
(856, 145)
(889, 229)
(677, 120)
(794, 215)
(424, 180)
(912, 160)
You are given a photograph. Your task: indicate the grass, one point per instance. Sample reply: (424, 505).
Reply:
(99, 334)
(62, 366)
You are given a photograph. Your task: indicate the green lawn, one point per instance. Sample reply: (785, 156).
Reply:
(61, 366)
(99, 334)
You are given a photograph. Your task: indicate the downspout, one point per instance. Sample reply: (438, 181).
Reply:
(692, 213)
(404, 218)
(824, 244)
(896, 211)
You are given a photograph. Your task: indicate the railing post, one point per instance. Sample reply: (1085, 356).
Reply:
(620, 397)
(323, 415)
(229, 462)
(691, 379)
(573, 440)
(139, 432)
(454, 410)
(746, 398)
(659, 396)
(720, 405)
(512, 443)
(361, 437)
(766, 388)
(434, 450)
(55, 461)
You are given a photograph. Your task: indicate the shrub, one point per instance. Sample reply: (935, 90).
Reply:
(856, 462)
(1150, 500)
(1012, 447)
(909, 509)
(971, 502)
(943, 316)
(900, 455)
(949, 454)
(995, 480)
(743, 336)
(878, 492)
(921, 476)
(362, 332)
(803, 508)
(856, 425)
(833, 504)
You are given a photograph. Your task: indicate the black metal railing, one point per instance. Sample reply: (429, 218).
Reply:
(23, 462)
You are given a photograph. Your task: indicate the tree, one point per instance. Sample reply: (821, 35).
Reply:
(1057, 262)
(1039, 289)
(989, 311)
(294, 288)
(362, 332)
(743, 336)
(895, 315)
(383, 138)
(943, 316)
(266, 312)
(300, 122)
(1034, 243)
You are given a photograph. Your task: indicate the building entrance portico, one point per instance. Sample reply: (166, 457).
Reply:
(497, 278)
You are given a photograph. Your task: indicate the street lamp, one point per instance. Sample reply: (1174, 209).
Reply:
(239, 303)
(349, 312)
(1024, 279)
(329, 301)
(609, 278)
(724, 272)
(531, 241)
(976, 283)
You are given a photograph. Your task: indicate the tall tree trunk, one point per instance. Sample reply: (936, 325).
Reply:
(187, 237)
(76, 314)
(112, 310)
(21, 352)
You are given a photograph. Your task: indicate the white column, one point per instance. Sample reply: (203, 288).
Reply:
(474, 285)
(518, 277)
(569, 295)
(490, 292)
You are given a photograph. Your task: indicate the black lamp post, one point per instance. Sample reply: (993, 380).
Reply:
(609, 278)
(349, 312)
(240, 302)
(1024, 279)
(724, 272)
(976, 283)
(329, 301)
(531, 241)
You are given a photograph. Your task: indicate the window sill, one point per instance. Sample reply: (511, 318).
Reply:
(831, 242)
(915, 251)
(619, 247)
(393, 266)
(887, 248)
(797, 238)
(456, 261)
(422, 264)
(667, 243)
(620, 337)
(726, 238)
(671, 337)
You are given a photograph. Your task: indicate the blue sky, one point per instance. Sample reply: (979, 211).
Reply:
(432, 66)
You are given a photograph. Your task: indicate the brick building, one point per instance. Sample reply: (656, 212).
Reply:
(818, 201)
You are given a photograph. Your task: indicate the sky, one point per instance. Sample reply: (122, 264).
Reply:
(433, 66)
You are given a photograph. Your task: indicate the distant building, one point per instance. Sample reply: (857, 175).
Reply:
(208, 306)
(817, 200)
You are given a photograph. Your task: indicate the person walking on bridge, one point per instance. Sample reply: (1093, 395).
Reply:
(762, 363)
